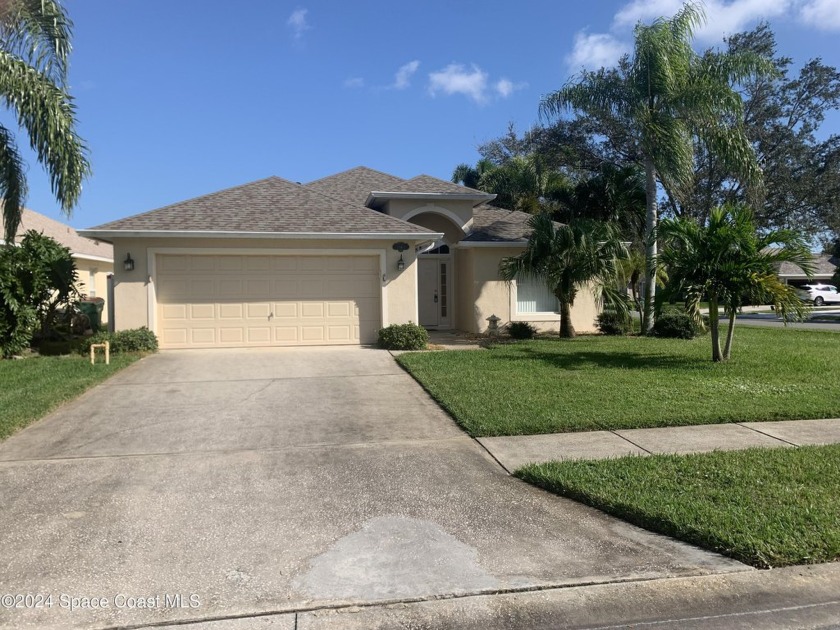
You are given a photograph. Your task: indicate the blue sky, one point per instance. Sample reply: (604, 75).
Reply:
(178, 98)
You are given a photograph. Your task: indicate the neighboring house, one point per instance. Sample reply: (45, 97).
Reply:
(94, 258)
(330, 262)
(824, 267)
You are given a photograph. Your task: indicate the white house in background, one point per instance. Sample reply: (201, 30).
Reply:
(94, 259)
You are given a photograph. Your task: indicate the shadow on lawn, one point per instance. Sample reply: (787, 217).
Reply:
(616, 360)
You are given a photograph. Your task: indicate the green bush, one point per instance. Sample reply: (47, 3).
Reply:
(609, 323)
(37, 278)
(521, 330)
(675, 325)
(403, 337)
(134, 340)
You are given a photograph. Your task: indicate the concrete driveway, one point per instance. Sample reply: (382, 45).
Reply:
(282, 480)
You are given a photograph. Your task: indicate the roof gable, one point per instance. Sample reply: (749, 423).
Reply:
(429, 184)
(355, 184)
(273, 206)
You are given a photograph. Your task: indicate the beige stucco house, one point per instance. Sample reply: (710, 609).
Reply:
(329, 262)
(94, 258)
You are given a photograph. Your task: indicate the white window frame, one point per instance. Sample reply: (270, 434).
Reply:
(514, 307)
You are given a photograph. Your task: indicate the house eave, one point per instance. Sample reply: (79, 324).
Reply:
(92, 257)
(467, 244)
(108, 235)
(381, 195)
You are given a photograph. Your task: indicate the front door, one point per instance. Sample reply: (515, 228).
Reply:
(433, 291)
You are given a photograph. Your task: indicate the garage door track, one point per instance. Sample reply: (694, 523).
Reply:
(257, 481)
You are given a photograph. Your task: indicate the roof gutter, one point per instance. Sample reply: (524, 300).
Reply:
(92, 257)
(108, 235)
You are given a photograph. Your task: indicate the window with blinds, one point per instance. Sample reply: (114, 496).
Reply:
(532, 296)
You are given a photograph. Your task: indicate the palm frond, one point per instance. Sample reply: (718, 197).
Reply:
(13, 187)
(48, 115)
(40, 32)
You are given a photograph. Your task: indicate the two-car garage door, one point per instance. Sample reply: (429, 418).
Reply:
(206, 301)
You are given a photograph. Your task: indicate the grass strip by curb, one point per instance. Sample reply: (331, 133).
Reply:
(31, 388)
(764, 507)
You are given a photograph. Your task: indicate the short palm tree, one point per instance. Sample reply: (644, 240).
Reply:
(470, 176)
(524, 183)
(664, 96)
(34, 48)
(569, 258)
(728, 261)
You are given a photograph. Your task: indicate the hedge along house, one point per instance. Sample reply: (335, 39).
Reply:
(330, 262)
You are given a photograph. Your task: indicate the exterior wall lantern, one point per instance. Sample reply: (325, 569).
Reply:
(400, 247)
(128, 263)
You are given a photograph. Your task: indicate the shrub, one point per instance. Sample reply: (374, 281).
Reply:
(613, 323)
(403, 337)
(675, 325)
(36, 278)
(521, 330)
(134, 340)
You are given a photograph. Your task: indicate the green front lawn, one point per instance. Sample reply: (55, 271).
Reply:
(30, 388)
(596, 382)
(765, 507)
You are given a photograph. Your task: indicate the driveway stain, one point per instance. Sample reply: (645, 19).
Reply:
(395, 557)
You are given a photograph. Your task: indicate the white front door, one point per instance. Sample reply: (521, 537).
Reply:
(433, 289)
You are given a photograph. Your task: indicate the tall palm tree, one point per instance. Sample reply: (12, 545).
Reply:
(34, 49)
(570, 258)
(727, 260)
(664, 96)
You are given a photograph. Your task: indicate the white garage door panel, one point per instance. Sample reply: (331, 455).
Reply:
(212, 301)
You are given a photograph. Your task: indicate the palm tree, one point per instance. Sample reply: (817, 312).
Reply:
(470, 176)
(664, 96)
(34, 48)
(615, 194)
(525, 183)
(728, 261)
(569, 258)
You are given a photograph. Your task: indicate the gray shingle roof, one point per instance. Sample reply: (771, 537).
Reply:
(491, 224)
(272, 205)
(429, 184)
(355, 184)
(824, 265)
(63, 233)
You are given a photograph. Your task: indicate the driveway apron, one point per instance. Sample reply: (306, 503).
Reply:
(223, 483)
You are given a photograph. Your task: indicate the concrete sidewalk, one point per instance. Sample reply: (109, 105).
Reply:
(515, 451)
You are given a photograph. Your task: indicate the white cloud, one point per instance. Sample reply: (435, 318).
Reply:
(354, 82)
(457, 79)
(403, 77)
(595, 50)
(297, 23)
(823, 14)
(506, 87)
(722, 18)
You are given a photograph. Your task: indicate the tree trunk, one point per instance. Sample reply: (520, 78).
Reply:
(650, 245)
(714, 328)
(730, 332)
(567, 330)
